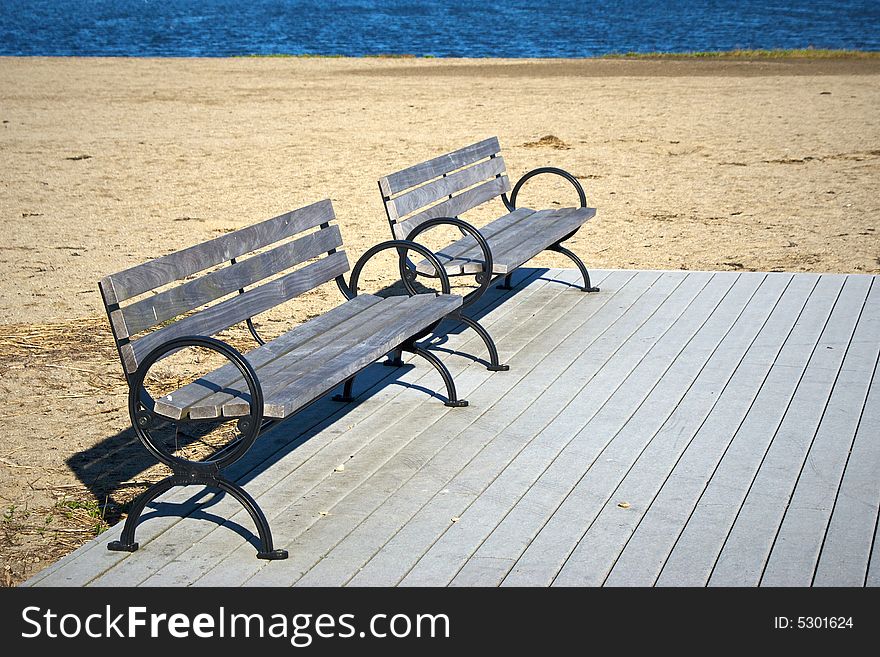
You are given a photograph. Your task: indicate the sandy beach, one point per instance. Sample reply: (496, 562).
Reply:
(692, 164)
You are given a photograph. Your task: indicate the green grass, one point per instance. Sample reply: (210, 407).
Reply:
(800, 53)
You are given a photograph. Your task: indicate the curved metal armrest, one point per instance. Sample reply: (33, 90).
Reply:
(511, 203)
(350, 290)
(485, 277)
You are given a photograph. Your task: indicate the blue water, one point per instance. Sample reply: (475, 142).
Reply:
(454, 28)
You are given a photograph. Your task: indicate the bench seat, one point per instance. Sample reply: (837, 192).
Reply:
(514, 239)
(301, 365)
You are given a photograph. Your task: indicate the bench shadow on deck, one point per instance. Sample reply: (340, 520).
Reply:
(676, 428)
(115, 463)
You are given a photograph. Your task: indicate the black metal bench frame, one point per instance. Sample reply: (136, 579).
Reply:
(485, 278)
(209, 473)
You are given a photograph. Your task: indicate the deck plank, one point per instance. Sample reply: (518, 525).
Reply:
(636, 360)
(796, 548)
(344, 560)
(598, 549)
(691, 560)
(620, 437)
(402, 552)
(645, 552)
(747, 547)
(847, 549)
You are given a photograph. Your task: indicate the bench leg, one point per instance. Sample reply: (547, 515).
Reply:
(506, 284)
(395, 360)
(494, 365)
(580, 265)
(452, 396)
(346, 395)
(126, 542)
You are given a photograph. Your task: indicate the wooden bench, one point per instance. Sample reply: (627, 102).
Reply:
(436, 192)
(277, 378)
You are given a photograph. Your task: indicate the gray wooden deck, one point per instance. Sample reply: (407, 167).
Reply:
(677, 428)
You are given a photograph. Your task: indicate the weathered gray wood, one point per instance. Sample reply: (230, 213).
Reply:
(295, 362)
(747, 547)
(597, 550)
(444, 187)
(237, 309)
(401, 553)
(535, 234)
(383, 438)
(467, 243)
(157, 308)
(627, 371)
(436, 167)
(401, 477)
(643, 556)
(515, 244)
(384, 338)
(174, 266)
(469, 434)
(228, 375)
(312, 462)
(846, 552)
(466, 256)
(456, 205)
(693, 556)
(616, 434)
(796, 547)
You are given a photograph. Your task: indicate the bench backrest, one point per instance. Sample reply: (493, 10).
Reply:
(189, 292)
(445, 186)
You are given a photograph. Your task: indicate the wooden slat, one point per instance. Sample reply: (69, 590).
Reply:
(292, 363)
(801, 535)
(516, 244)
(180, 264)
(591, 561)
(456, 205)
(444, 187)
(228, 375)
(642, 558)
(747, 547)
(468, 243)
(714, 510)
(846, 552)
(237, 309)
(384, 338)
(436, 167)
(155, 309)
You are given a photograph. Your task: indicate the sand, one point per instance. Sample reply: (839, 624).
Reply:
(712, 165)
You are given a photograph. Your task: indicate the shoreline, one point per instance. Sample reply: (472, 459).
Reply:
(598, 67)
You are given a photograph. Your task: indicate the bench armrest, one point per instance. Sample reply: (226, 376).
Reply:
(350, 289)
(484, 278)
(510, 204)
(140, 404)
